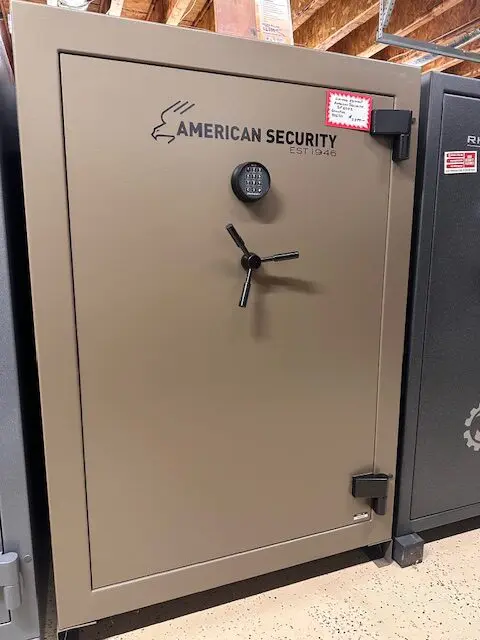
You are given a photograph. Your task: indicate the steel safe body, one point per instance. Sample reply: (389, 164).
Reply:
(439, 480)
(189, 442)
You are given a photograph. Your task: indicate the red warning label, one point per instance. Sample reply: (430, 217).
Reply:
(460, 162)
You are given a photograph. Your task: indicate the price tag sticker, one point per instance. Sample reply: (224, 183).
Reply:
(348, 110)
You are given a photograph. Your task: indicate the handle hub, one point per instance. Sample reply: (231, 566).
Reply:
(251, 261)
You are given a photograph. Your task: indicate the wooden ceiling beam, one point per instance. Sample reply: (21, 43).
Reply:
(175, 12)
(443, 63)
(136, 9)
(302, 10)
(334, 21)
(466, 69)
(206, 18)
(156, 11)
(103, 6)
(407, 17)
(441, 30)
(6, 44)
(5, 34)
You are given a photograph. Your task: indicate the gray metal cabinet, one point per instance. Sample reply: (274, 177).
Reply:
(440, 462)
(19, 423)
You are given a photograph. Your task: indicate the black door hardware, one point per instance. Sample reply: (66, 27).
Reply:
(396, 123)
(251, 261)
(373, 486)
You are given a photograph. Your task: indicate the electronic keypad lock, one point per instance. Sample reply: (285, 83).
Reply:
(251, 261)
(250, 181)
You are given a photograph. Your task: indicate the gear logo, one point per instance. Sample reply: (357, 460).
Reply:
(472, 441)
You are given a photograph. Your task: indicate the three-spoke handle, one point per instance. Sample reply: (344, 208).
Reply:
(251, 261)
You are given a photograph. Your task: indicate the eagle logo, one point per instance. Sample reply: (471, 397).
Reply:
(168, 117)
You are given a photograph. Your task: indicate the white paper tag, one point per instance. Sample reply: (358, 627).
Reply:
(274, 21)
(460, 162)
(348, 110)
(116, 7)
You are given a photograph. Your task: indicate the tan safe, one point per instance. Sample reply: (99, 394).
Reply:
(191, 442)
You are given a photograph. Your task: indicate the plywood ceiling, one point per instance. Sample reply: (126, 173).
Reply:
(343, 26)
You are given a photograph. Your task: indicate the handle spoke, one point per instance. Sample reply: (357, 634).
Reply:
(246, 289)
(280, 257)
(236, 237)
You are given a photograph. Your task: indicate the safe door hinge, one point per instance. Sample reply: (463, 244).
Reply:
(373, 486)
(396, 123)
(10, 580)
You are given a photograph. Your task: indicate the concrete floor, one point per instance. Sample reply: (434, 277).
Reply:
(436, 600)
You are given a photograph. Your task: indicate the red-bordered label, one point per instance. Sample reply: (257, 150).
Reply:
(348, 110)
(460, 162)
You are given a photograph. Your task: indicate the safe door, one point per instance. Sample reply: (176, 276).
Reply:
(445, 455)
(210, 429)
(440, 481)
(218, 440)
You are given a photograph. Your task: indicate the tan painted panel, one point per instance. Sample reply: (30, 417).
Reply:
(46, 31)
(211, 430)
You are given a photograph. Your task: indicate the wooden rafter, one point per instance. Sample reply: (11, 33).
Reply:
(6, 44)
(4, 31)
(407, 17)
(441, 30)
(302, 10)
(344, 26)
(177, 10)
(334, 21)
(103, 6)
(443, 63)
(183, 11)
(466, 69)
(156, 11)
(206, 18)
(134, 9)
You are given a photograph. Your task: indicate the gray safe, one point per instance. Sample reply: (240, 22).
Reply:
(439, 475)
(20, 433)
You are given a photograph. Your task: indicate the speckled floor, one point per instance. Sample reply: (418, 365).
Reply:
(436, 600)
